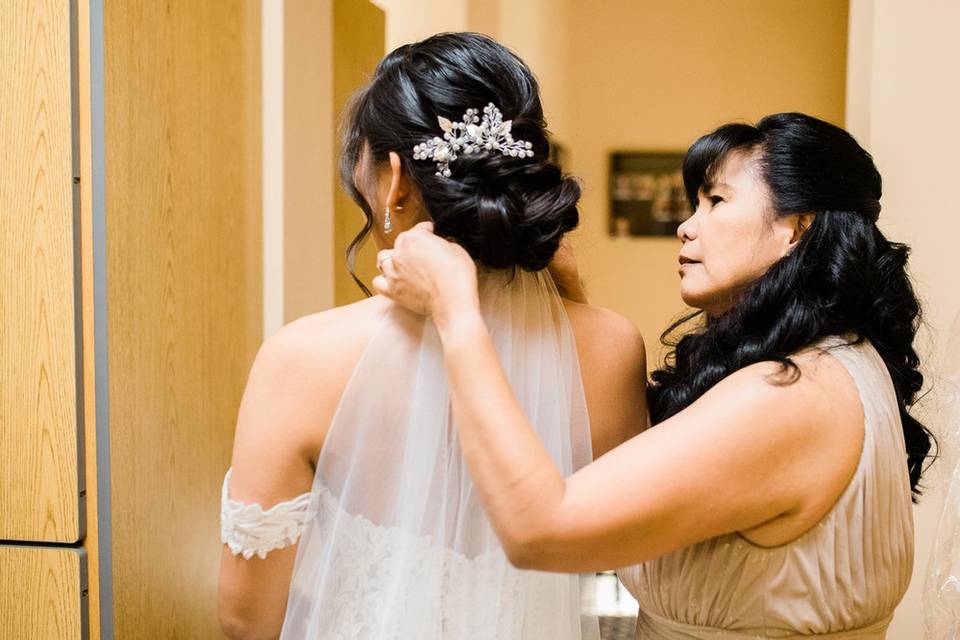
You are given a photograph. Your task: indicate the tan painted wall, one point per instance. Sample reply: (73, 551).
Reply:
(412, 20)
(309, 142)
(905, 112)
(330, 47)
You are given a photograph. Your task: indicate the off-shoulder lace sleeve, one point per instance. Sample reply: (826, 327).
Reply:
(250, 530)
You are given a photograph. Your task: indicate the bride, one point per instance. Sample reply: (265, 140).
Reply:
(348, 511)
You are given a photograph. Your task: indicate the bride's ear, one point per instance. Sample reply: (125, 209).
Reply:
(399, 182)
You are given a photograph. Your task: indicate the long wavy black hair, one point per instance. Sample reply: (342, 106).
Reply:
(843, 277)
(507, 212)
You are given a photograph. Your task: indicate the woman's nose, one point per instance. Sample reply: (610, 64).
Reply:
(686, 230)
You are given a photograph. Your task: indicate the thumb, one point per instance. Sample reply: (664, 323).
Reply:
(424, 226)
(382, 286)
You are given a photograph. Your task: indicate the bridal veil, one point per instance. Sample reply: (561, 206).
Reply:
(400, 546)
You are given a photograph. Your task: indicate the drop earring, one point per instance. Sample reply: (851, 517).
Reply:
(387, 223)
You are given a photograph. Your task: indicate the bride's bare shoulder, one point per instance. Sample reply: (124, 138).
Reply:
(604, 330)
(335, 326)
(613, 365)
(316, 348)
(300, 373)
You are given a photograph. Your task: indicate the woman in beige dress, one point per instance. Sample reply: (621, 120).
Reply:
(772, 496)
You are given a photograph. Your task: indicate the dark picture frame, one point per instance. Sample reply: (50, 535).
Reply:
(647, 197)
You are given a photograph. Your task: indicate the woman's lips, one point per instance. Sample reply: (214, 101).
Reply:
(684, 263)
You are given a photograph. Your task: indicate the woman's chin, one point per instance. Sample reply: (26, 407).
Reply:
(693, 298)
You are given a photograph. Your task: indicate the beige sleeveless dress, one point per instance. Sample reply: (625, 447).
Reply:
(841, 579)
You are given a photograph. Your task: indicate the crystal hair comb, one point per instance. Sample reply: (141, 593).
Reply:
(472, 135)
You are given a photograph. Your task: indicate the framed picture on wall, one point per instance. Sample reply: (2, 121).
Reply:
(646, 193)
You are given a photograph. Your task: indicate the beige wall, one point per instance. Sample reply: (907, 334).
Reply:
(904, 111)
(309, 142)
(412, 20)
(327, 49)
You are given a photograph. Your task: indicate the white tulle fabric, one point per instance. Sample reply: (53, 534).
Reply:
(941, 598)
(250, 530)
(400, 546)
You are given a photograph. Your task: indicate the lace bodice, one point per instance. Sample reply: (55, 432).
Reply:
(443, 593)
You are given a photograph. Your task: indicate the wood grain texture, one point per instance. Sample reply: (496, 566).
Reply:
(358, 45)
(40, 593)
(39, 481)
(182, 141)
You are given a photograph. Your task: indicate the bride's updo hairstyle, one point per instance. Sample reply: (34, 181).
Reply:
(843, 276)
(506, 211)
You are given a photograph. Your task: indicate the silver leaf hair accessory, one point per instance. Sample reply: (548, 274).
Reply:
(472, 135)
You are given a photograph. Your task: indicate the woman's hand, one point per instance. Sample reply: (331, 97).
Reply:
(563, 270)
(428, 275)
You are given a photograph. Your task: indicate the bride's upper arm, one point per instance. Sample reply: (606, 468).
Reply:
(291, 394)
(280, 419)
(268, 466)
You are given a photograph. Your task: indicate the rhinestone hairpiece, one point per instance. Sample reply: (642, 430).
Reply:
(472, 135)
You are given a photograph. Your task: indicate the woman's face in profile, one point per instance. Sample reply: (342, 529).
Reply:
(732, 238)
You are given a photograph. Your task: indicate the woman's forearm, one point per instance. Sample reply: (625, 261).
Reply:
(515, 475)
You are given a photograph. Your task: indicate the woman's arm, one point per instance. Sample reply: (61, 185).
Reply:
(746, 454)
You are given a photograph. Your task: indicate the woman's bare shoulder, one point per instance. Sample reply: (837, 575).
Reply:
(613, 366)
(298, 376)
(332, 325)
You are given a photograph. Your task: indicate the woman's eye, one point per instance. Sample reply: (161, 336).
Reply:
(715, 200)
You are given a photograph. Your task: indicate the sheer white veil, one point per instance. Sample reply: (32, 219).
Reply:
(400, 546)
(941, 598)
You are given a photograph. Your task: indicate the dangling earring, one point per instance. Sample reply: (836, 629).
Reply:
(387, 223)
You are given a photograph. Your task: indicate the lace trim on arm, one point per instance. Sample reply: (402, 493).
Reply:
(250, 530)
